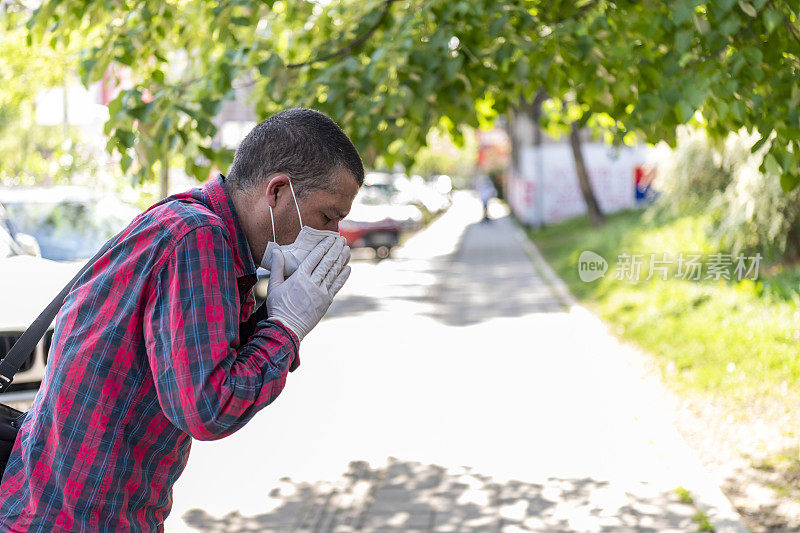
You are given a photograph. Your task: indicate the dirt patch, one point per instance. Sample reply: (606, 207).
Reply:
(753, 450)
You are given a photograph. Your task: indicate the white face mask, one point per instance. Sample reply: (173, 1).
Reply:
(294, 253)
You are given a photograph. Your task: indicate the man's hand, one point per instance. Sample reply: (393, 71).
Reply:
(301, 301)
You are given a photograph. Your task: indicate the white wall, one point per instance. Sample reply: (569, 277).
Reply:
(545, 189)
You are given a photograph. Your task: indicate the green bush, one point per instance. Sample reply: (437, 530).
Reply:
(755, 214)
(748, 210)
(689, 176)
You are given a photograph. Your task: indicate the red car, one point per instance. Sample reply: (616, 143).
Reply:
(381, 235)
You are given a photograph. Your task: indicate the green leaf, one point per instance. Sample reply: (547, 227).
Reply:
(730, 25)
(789, 181)
(701, 23)
(681, 12)
(752, 54)
(496, 26)
(738, 110)
(771, 165)
(377, 55)
(125, 162)
(417, 111)
(140, 111)
(786, 160)
(683, 39)
(724, 5)
(86, 68)
(190, 112)
(206, 128)
(722, 108)
(200, 172)
(209, 153)
(265, 67)
(684, 111)
(758, 144)
(125, 138)
(772, 17)
(748, 8)
(210, 106)
(351, 64)
(126, 55)
(695, 95)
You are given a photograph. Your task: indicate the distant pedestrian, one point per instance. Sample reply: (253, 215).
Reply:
(486, 192)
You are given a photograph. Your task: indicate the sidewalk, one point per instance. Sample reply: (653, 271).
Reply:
(451, 389)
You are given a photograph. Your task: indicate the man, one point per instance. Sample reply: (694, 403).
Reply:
(156, 344)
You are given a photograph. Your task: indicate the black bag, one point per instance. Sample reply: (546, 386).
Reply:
(11, 419)
(10, 422)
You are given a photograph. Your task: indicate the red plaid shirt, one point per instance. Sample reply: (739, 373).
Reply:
(146, 354)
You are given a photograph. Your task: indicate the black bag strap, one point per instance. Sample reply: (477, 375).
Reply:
(16, 356)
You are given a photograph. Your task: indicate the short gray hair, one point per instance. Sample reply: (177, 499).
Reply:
(303, 143)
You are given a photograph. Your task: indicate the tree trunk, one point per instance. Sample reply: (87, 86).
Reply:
(792, 252)
(592, 207)
(536, 117)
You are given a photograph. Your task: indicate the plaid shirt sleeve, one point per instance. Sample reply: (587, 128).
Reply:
(208, 384)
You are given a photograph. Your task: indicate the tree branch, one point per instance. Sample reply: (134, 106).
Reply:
(580, 12)
(361, 39)
(351, 46)
(792, 30)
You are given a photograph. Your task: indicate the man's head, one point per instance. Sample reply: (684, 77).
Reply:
(309, 149)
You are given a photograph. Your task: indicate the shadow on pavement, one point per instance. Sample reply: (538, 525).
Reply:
(353, 304)
(487, 276)
(491, 276)
(412, 497)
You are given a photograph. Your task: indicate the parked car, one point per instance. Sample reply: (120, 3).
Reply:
(69, 223)
(27, 284)
(375, 222)
(46, 236)
(381, 235)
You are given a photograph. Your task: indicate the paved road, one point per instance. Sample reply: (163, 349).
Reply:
(450, 390)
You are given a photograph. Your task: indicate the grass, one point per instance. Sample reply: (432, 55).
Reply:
(684, 496)
(735, 338)
(700, 518)
(784, 472)
(703, 523)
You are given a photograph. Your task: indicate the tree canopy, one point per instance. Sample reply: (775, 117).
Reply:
(28, 149)
(389, 70)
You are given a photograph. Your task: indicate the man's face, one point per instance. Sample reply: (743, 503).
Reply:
(319, 208)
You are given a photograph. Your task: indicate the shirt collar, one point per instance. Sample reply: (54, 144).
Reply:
(221, 203)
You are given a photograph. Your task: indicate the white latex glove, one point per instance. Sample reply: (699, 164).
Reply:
(300, 301)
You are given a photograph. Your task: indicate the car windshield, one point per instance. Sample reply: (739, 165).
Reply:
(70, 230)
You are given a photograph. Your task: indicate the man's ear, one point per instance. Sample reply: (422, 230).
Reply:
(277, 184)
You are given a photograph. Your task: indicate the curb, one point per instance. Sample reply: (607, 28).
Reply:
(705, 491)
